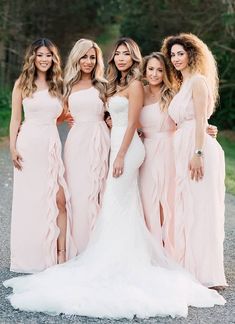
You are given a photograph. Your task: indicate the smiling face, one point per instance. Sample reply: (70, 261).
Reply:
(179, 57)
(88, 61)
(43, 60)
(122, 58)
(154, 72)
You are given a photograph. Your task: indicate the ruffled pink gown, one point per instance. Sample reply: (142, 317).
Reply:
(199, 206)
(86, 162)
(34, 230)
(157, 173)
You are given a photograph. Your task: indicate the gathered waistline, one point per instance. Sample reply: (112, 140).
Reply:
(156, 134)
(186, 122)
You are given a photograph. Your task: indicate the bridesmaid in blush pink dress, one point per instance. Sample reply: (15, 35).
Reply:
(40, 230)
(87, 145)
(199, 159)
(157, 173)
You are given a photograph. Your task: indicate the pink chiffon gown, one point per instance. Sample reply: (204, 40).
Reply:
(199, 206)
(157, 174)
(34, 229)
(86, 162)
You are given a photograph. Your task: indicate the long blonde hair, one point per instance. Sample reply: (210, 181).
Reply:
(113, 75)
(201, 60)
(166, 92)
(29, 73)
(72, 69)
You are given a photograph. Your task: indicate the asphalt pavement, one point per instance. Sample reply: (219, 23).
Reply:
(216, 315)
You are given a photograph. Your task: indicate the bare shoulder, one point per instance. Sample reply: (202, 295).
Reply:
(136, 86)
(17, 91)
(198, 80)
(17, 86)
(199, 84)
(17, 83)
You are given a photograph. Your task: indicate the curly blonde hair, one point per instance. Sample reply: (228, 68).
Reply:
(114, 75)
(167, 92)
(73, 73)
(201, 61)
(29, 73)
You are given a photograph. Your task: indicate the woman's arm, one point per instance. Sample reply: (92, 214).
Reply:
(136, 99)
(200, 100)
(16, 116)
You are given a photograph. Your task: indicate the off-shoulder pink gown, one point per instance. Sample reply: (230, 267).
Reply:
(34, 229)
(157, 173)
(199, 206)
(86, 162)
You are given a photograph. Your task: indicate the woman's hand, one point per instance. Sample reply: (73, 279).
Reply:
(140, 133)
(196, 168)
(108, 121)
(212, 130)
(118, 166)
(16, 159)
(69, 120)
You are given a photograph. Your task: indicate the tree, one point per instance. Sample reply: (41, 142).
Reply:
(148, 22)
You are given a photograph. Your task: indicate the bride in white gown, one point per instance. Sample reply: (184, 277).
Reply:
(121, 273)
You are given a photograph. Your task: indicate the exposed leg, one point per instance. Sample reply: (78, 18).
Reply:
(161, 218)
(62, 224)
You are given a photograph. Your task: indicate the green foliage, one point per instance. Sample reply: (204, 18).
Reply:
(148, 22)
(228, 143)
(5, 111)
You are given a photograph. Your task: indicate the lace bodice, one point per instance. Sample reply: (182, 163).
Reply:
(118, 109)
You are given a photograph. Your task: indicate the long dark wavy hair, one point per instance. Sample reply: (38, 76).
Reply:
(201, 60)
(29, 72)
(114, 75)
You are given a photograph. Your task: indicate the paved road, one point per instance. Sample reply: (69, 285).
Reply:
(218, 314)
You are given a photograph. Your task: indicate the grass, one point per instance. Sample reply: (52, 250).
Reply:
(227, 141)
(5, 111)
(225, 138)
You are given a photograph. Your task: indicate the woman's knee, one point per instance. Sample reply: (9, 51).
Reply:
(60, 201)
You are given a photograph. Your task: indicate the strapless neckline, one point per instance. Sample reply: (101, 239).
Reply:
(118, 96)
(78, 91)
(152, 104)
(36, 93)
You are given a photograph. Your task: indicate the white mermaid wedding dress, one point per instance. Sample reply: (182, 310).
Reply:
(122, 273)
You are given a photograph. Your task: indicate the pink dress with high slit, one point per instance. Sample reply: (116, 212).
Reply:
(199, 206)
(34, 229)
(86, 161)
(157, 174)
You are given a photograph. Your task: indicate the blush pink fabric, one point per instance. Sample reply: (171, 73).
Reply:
(157, 173)
(34, 230)
(199, 206)
(86, 162)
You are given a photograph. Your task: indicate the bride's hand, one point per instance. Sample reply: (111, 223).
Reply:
(118, 166)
